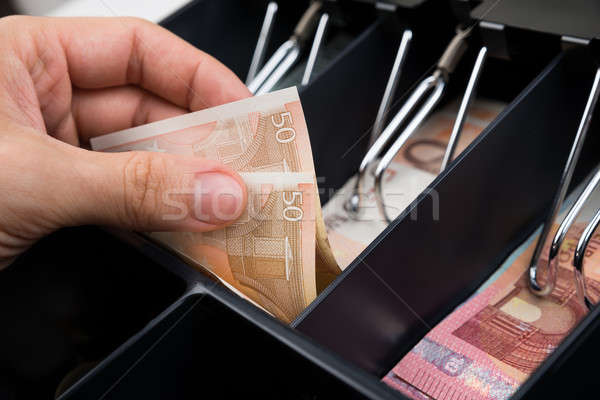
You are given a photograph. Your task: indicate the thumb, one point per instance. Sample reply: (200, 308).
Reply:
(157, 192)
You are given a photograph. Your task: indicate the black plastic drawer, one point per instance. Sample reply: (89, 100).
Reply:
(70, 301)
(115, 320)
(210, 342)
(490, 200)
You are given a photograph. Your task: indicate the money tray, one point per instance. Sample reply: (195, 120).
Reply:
(94, 314)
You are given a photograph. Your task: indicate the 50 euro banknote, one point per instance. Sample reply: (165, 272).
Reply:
(277, 253)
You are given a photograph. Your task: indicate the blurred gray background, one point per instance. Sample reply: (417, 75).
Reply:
(31, 7)
(152, 10)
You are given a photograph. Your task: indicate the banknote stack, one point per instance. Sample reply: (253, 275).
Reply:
(277, 253)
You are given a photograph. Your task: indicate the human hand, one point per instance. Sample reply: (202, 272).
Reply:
(64, 81)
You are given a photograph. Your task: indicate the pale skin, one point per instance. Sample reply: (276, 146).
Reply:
(63, 81)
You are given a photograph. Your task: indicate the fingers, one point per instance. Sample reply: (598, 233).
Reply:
(104, 52)
(48, 184)
(44, 57)
(101, 111)
(156, 192)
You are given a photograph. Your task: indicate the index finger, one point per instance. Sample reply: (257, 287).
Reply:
(103, 52)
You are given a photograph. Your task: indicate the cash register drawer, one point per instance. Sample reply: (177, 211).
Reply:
(87, 315)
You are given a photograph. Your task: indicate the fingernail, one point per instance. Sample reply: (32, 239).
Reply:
(218, 198)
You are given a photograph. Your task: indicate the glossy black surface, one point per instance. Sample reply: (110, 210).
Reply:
(577, 18)
(209, 350)
(70, 301)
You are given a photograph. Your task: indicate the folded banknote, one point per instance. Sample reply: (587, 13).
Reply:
(276, 253)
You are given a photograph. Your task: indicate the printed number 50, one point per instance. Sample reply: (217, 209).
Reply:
(292, 213)
(284, 135)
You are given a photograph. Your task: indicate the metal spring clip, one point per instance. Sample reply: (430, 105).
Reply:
(286, 56)
(435, 85)
(535, 286)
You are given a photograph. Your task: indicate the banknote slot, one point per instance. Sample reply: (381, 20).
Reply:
(416, 109)
(456, 234)
(422, 139)
(70, 301)
(323, 32)
(211, 343)
(374, 52)
(229, 29)
(341, 105)
(333, 27)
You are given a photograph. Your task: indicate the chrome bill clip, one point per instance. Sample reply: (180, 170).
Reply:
(286, 56)
(314, 50)
(561, 234)
(552, 266)
(379, 139)
(578, 257)
(263, 41)
(433, 86)
(392, 84)
(467, 99)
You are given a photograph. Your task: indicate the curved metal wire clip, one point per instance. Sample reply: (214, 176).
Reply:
(535, 286)
(435, 85)
(288, 53)
(583, 242)
(578, 257)
(263, 40)
(561, 234)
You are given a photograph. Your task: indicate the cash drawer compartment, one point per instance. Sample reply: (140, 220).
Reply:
(208, 344)
(490, 200)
